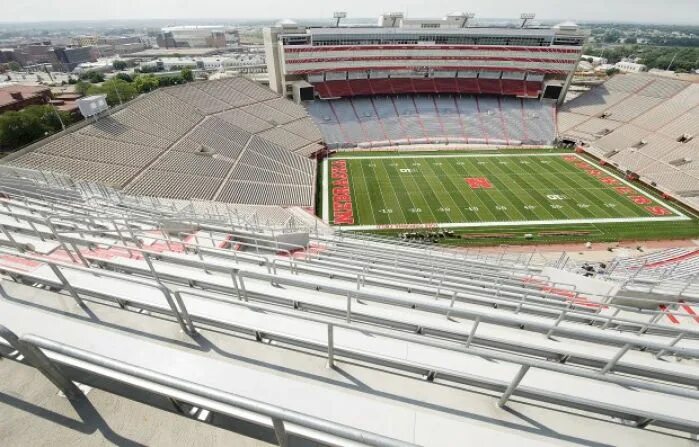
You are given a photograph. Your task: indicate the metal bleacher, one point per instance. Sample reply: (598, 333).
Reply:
(433, 119)
(200, 131)
(643, 123)
(424, 344)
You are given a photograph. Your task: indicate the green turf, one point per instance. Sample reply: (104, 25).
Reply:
(409, 191)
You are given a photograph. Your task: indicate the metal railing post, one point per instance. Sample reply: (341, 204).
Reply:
(280, 432)
(614, 360)
(558, 321)
(331, 346)
(473, 331)
(40, 361)
(11, 238)
(513, 385)
(671, 344)
(61, 277)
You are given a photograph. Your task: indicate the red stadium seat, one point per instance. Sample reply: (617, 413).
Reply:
(322, 90)
(491, 86)
(533, 88)
(446, 85)
(382, 86)
(467, 85)
(513, 87)
(424, 85)
(361, 87)
(402, 86)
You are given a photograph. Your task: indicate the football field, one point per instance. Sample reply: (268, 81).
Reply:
(404, 191)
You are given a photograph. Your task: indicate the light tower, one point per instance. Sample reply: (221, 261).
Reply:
(468, 16)
(395, 17)
(339, 15)
(525, 17)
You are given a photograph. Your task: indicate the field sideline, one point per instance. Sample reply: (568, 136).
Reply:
(416, 191)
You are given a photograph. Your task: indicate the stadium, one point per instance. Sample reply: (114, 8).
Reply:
(277, 265)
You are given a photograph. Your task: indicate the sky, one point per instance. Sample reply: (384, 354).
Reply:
(649, 11)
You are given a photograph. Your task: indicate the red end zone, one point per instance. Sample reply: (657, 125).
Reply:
(479, 183)
(342, 197)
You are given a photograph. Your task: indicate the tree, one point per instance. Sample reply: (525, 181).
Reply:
(48, 117)
(93, 76)
(119, 65)
(146, 83)
(170, 80)
(14, 66)
(124, 77)
(18, 129)
(187, 74)
(117, 91)
(612, 71)
(82, 87)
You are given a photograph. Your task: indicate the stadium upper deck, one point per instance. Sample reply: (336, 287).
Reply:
(425, 56)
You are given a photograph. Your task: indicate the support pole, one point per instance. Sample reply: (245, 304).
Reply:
(61, 277)
(331, 346)
(473, 331)
(40, 361)
(513, 385)
(280, 432)
(612, 363)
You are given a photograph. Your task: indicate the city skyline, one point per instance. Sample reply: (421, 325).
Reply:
(646, 11)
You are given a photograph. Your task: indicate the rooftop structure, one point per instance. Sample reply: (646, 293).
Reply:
(17, 97)
(198, 36)
(425, 56)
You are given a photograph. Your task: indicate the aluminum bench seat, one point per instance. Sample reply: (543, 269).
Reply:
(36, 244)
(672, 411)
(147, 295)
(223, 282)
(399, 421)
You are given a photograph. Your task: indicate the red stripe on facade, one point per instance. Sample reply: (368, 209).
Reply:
(442, 68)
(321, 49)
(430, 58)
(345, 88)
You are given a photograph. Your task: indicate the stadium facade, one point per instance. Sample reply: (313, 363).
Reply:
(400, 56)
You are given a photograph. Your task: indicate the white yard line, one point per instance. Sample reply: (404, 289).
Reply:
(508, 223)
(326, 192)
(601, 168)
(679, 216)
(379, 157)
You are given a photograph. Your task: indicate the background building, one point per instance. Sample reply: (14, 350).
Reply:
(71, 57)
(20, 96)
(630, 67)
(198, 37)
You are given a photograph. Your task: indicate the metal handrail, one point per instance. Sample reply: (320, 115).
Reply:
(442, 344)
(182, 314)
(276, 413)
(295, 246)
